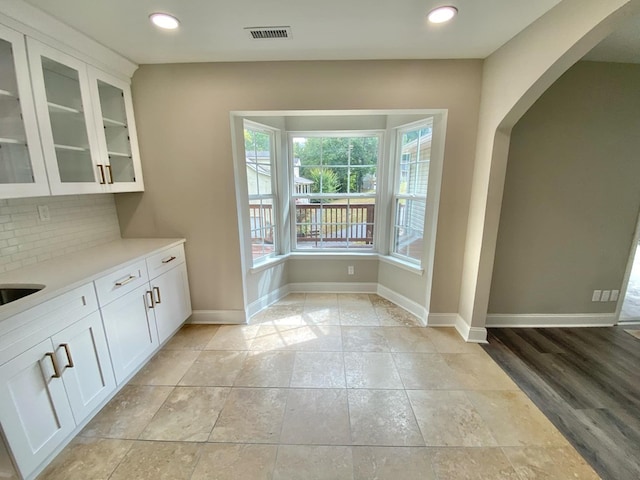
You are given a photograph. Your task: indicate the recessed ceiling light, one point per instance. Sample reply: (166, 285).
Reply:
(442, 14)
(164, 20)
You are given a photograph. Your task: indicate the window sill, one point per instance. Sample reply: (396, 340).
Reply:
(396, 262)
(270, 263)
(333, 256)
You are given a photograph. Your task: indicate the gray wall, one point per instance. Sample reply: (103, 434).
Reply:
(572, 194)
(182, 112)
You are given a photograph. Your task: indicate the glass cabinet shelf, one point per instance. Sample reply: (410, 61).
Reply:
(6, 93)
(12, 141)
(119, 154)
(54, 107)
(71, 148)
(108, 122)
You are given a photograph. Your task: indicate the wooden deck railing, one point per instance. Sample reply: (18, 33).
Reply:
(328, 222)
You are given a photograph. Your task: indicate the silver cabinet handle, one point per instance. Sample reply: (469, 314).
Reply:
(102, 179)
(130, 278)
(156, 290)
(150, 296)
(110, 172)
(67, 351)
(54, 361)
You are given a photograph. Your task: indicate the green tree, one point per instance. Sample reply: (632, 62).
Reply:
(255, 141)
(324, 180)
(350, 158)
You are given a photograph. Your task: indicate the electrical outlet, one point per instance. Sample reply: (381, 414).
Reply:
(605, 295)
(614, 295)
(596, 295)
(43, 213)
(350, 270)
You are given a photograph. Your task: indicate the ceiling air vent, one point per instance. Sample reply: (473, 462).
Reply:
(265, 33)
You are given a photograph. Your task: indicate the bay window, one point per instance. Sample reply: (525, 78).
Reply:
(336, 210)
(353, 191)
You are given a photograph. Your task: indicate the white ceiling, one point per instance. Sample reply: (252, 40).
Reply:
(212, 30)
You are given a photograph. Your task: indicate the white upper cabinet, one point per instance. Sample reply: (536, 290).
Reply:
(86, 125)
(117, 138)
(66, 127)
(22, 170)
(66, 120)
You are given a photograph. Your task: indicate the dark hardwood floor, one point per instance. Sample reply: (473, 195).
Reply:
(587, 382)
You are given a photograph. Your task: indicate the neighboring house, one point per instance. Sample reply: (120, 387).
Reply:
(414, 177)
(259, 182)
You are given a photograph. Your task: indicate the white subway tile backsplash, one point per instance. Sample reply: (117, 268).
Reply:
(77, 222)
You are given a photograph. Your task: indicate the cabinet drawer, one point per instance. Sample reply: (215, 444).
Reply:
(165, 260)
(121, 282)
(31, 326)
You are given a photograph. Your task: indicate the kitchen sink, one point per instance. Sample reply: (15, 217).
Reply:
(11, 293)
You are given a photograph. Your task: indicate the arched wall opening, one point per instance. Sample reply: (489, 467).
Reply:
(514, 77)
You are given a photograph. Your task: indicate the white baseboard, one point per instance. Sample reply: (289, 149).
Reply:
(266, 300)
(404, 302)
(534, 320)
(333, 287)
(442, 319)
(231, 317)
(470, 334)
(630, 323)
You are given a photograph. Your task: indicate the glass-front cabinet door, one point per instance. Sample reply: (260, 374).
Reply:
(117, 138)
(65, 116)
(22, 171)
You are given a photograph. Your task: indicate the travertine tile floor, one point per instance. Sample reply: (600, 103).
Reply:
(320, 386)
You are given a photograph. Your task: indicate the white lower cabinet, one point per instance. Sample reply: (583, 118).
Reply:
(34, 410)
(36, 407)
(61, 360)
(131, 331)
(83, 356)
(171, 301)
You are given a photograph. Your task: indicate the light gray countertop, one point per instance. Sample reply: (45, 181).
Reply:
(67, 272)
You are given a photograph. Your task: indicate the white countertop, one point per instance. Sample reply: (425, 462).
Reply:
(67, 272)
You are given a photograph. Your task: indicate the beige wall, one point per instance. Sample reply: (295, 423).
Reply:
(182, 113)
(260, 284)
(514, 77)
(571, 196)
(309, 271)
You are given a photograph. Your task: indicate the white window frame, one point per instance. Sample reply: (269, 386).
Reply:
(293, 195)
(274, 196)
(437, 122)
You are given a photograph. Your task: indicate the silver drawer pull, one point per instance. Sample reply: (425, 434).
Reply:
(129, 279)
(170, 259)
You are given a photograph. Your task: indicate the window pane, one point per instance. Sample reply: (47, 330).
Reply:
(336, 164)
(262, 227)
(257, 146)
(415, 157)
(408, 228)
(339, 223)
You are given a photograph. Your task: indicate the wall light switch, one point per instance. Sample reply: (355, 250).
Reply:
(43, 213)
(350, 270)
(596, 296)
(614, 295)
(605, 295)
